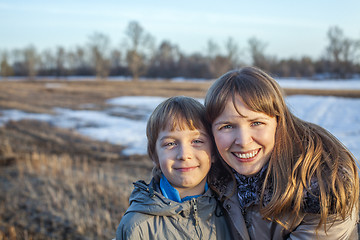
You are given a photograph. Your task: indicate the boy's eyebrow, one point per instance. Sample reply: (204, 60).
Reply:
(165, 137)
(201, 132)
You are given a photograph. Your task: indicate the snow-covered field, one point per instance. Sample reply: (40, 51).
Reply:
(124, 123)
(320, 84)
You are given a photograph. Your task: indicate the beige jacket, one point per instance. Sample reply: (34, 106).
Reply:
(152, 216)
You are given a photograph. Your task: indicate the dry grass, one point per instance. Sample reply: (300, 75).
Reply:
(60, 197)
(348, 93)
(59, 185)
(42, 96)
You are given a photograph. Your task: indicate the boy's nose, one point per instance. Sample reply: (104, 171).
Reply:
(243, 137)
(184, 153)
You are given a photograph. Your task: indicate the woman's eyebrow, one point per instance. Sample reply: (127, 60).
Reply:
(259, 118)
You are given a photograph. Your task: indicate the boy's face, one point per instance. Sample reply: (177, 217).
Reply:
(185, 159)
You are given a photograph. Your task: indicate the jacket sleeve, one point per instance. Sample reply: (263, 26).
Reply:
(338, 229)
(122, 234)
(128, 231)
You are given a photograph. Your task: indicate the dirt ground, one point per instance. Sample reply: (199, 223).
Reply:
(84, 194)
(43, 96)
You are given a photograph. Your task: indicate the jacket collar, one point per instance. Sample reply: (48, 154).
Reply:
(171, 193)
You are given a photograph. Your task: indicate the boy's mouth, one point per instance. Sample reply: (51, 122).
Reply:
(185, 169)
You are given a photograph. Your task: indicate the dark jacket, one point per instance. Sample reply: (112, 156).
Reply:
(152, 216)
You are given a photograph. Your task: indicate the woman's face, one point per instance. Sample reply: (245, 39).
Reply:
(246, 140)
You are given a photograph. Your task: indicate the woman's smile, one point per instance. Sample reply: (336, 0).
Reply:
(246, 156)
(245, 138)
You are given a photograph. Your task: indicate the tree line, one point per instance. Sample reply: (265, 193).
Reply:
(139, 56)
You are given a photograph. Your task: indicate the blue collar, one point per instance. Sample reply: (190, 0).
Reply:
(171, 193)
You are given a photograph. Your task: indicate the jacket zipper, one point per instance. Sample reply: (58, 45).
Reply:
(196, 217)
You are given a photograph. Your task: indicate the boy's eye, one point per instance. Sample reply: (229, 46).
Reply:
(256, 123)
(169, 144)
(226, 127)
(198, 141)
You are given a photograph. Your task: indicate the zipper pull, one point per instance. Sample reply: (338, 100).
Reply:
(196, 217)
(195, 212)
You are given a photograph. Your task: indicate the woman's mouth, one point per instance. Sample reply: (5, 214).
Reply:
(246, 156)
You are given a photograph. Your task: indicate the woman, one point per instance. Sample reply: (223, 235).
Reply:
(281, 177)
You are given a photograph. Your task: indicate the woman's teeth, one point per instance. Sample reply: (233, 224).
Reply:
(247, 155)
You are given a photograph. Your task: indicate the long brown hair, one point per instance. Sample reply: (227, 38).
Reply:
(303, 151)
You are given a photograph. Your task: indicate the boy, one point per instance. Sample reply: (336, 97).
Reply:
(177, 204)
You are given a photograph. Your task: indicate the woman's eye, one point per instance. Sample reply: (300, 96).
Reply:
(198, 141)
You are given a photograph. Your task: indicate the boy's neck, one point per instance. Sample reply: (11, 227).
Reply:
(184, 194)
(197, 190)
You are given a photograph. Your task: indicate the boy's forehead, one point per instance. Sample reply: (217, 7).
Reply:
(177, 132)
(182, 125)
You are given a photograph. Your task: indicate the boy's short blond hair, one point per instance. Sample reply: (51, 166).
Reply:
(180, 111)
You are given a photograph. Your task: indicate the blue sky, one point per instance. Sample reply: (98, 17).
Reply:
(290, 28)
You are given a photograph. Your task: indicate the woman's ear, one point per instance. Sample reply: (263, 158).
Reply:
(213, 158)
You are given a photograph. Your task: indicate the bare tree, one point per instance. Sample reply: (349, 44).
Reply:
(334, 49)
(60, 61)
(341, 52)
(82, 62)
(140, 44)
(31, 61)
(213, 48)
(115, 61)
(257, 52)
(220, 63)
(48, 62)
(5, 68)
(165, 61)
(232, 52)
(99, 47)
(194, 66)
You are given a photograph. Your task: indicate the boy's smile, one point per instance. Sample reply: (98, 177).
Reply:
(185, 159)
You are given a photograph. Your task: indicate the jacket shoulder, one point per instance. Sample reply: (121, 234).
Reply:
(130, 226)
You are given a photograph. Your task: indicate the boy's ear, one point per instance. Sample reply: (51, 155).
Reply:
(155, 164)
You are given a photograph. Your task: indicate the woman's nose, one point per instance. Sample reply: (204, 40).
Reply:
(243, 137)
